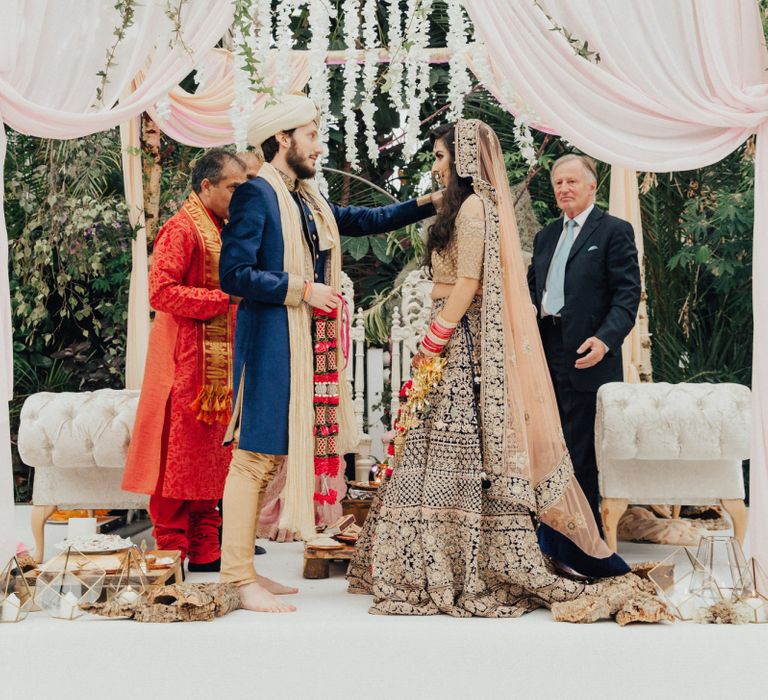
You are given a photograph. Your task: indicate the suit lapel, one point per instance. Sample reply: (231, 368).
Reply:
(592, 222)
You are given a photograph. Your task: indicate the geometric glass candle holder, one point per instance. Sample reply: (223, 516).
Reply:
(752, 590)
(66, 581)
(15, 594)
(677, 582)
(130, 584)
(724, 563)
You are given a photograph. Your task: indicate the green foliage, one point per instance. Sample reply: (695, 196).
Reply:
(698, 245)
(70, 253)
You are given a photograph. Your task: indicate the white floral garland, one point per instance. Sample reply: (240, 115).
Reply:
(163, 109)
(523, 115)
(459, 81)
(243, 99)
(284, 42)
(370, 73)
(417, 77)
(263, 28)
(351, 14)
(319, 85)
(396, 71)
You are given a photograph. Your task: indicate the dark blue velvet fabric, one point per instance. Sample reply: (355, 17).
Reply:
(251, 266)
(563, 551)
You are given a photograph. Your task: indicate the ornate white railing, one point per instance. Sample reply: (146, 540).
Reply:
(370, 370)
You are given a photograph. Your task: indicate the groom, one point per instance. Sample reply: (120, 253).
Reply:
(281, 254)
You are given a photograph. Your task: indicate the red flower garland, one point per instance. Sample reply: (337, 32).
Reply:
(326, 401)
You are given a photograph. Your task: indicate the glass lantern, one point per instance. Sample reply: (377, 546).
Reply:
(723, 561)
(752, 590)
(15, 594)
(130, 583)
(67, 581)
(682, 583)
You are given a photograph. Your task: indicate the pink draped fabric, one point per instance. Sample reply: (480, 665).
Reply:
(203, 119)
(680, 85)
(50, 55)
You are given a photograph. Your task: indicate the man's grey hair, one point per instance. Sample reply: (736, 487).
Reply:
(590, 168)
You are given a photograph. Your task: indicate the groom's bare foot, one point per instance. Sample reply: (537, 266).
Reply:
(253, 596)
(274, 587)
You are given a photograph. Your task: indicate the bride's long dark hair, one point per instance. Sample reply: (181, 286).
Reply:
(457, 189)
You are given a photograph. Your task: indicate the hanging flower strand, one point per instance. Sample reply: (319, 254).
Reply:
(243, 97)
(394, 80)
(418, 69)
(319, 86)
(370, 70)
(459, 81)
(263, 28)
(523, 115)
(284, 37)
(351, 14)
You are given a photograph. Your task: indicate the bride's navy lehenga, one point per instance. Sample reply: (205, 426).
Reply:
(435, 541)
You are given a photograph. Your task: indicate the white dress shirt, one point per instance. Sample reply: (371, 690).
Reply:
(579, 219)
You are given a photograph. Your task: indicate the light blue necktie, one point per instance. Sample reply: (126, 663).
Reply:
(556, 280)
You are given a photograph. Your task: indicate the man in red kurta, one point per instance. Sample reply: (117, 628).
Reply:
(175, 453)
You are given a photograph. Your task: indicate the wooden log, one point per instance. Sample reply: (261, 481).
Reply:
(316, 568)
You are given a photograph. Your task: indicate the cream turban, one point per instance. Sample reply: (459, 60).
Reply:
(291, 111)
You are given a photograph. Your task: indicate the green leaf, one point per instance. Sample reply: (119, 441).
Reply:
(358, 247)
(380, 248)
(703, 254)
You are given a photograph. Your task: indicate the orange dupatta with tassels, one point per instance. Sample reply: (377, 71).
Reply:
(213, 403)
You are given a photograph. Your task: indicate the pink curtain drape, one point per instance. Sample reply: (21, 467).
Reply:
(138, 291)
(203, 118)
(50, 56)
(680, 85)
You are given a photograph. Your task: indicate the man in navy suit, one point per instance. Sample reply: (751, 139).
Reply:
(275, 220)
(584, 280)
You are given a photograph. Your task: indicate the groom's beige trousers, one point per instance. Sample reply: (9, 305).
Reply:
(247, 480)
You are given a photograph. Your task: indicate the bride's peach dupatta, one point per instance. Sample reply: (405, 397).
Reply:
(524, 449)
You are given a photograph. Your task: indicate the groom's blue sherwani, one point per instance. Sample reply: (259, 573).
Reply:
(251, 266)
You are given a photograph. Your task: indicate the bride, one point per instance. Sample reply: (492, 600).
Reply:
(486, 470)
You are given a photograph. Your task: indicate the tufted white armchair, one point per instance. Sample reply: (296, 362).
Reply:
(77, 443)
(680, 444)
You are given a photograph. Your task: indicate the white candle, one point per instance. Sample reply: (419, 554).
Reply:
(11, 607)
(81, 527)
(68, 606)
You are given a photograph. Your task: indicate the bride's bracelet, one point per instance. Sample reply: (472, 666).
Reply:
(437, 337)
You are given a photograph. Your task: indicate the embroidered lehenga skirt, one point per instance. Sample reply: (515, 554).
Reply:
(434, 541)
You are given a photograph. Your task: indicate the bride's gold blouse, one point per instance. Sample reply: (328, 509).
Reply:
(463, 256)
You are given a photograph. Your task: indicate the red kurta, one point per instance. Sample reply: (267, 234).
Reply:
(183, 297)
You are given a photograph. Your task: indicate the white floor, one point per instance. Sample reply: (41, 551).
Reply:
(331, 648)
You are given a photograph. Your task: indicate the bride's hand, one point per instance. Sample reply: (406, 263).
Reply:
(418, 360)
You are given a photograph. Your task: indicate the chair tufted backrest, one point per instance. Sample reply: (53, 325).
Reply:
(77, 429)
(673, 421)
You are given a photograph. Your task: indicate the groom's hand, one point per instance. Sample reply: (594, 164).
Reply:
(323, 297)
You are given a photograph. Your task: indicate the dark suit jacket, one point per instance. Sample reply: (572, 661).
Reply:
(602, 291)
(251, 266)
